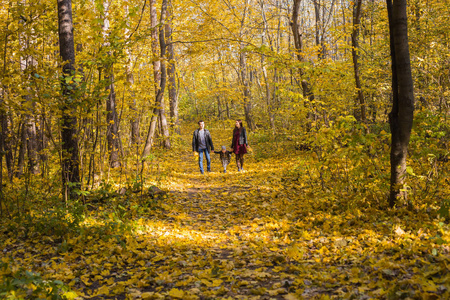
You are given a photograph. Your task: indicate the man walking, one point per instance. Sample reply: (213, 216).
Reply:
(202, 143)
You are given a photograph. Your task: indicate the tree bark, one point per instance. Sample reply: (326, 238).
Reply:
(246, 90)
(244, 73)
(22, 150)
(401, 116)
(355, 56)
(171, 70)
(70, 161)
(134, 120)
(5, 140)
(264, 71)
(112, 133)
(306, 86)
(159, 72)
(27, 63)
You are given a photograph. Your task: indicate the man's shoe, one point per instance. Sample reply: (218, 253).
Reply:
(201, 172)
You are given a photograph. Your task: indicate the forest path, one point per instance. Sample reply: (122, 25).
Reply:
(226, 228)
(271, 232)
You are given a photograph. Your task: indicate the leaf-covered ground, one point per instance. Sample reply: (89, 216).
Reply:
(259, 234)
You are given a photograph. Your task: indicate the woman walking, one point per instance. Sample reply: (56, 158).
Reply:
(239, 144)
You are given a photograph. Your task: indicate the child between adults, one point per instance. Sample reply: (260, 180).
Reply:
(225, 157)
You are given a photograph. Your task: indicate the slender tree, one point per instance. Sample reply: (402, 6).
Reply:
(355, 57)
(134, 120)
(298, 43)
(5, 132)
(70, 161)
(171, 69)
(401, 116)
(159, 71)
(27, 64)
(112, 134)
(243, 69)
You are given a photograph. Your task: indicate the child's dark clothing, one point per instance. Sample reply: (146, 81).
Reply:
(225, 158)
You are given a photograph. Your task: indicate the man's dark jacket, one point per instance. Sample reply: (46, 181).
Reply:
(196, 140)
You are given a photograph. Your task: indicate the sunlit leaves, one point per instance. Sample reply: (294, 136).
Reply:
(272, 231)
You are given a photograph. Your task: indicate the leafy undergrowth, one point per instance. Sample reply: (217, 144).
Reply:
(286, 228)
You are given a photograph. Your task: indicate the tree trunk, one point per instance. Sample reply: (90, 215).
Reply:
(134, 122)
(27, 62)
(264, 71)
(157, 78)
(401, 116)
(317, 27)
(135, 137)
(2, 147)
(112, 133)
(70, 161)
(171, 70)
(246, 90)
(31, 140)
(355, 55)
(164, 125)
(5, 140)
(22, 150)
(159, 72)
(243, 73)
(306, 87)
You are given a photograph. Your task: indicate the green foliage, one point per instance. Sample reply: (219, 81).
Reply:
(23, 284)
(54, 217)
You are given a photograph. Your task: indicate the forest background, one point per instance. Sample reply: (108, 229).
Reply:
(312, 80)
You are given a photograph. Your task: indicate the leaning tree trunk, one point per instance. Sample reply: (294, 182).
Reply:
(355, 55)
(70, 161)
(401, 116)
